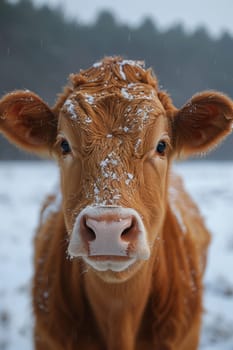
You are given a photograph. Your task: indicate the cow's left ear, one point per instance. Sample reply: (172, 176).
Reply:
(202, 123)
(28, 122)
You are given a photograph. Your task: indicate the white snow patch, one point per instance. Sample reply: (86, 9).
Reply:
(126, 94)
(97, 64)
(88, 120)
(122, 73)
(71, 109)
(132, 85)
(139, 111)
(144, 114)
(126, 129)
(89, 98)
(104, 165)
(130, 92)
(139, 64)
(137, 145)
(129, 178)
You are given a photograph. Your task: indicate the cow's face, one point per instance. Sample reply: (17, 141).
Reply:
(114, 145)
(114, 135)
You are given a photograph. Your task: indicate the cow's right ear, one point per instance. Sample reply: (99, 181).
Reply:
(28, 122)
(202, 123)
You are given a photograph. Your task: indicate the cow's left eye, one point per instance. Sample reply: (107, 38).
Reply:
(161, 147)
(65, 147)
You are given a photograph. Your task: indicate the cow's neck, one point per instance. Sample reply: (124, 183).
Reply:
(118, 307)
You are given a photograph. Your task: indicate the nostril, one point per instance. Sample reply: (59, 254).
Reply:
(129, 232)
(126, 231)
(91, 236)
(88, 231)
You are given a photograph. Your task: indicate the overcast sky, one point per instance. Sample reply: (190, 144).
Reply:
(216, 15)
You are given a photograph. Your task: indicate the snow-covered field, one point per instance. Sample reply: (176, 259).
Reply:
(22, 189)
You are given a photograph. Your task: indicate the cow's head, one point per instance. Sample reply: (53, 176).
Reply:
(114, 134)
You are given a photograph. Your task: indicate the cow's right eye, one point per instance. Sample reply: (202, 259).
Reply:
(65, 147)
(161, 147)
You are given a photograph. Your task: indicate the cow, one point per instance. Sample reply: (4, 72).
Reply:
(120, 249)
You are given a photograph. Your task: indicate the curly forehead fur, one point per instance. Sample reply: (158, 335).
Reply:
(113, 76)
(114, 98)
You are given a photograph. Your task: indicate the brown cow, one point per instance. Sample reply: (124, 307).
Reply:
(119, 256)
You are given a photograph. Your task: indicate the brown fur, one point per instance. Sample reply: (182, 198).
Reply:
(106, 110)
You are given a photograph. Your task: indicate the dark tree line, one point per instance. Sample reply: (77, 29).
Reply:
(39, 48)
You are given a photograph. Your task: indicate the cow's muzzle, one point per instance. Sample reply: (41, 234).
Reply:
(107, 233)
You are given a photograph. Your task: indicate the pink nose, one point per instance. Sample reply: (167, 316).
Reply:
(107, 235)
(109, 231)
